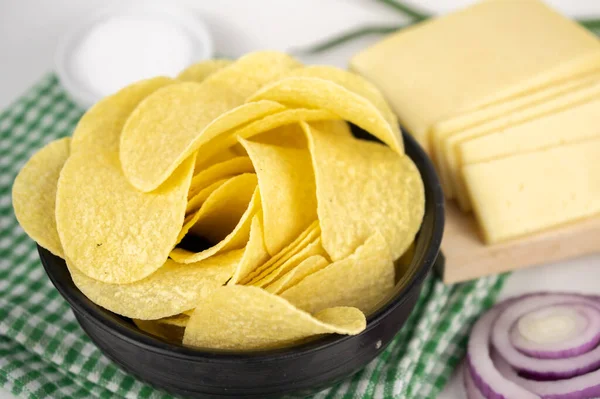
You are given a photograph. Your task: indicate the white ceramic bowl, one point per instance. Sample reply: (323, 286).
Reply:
(172, 12)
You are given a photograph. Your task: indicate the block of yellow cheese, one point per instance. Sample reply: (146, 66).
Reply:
(450, 157)
(535, 191)
(470, 120)
(492, 50)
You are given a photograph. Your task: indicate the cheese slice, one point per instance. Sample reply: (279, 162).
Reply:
(535, 191)
(449, 154)
(572, 124)
(446, 128)
(462, 61)
(494, 110)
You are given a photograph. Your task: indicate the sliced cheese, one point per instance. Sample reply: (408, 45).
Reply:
(449, 155)
(465, 120)
(535, 191)
(572, 124)
(447, 127)
(462, 61)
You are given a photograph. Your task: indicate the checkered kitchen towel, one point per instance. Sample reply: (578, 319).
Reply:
(45, 354)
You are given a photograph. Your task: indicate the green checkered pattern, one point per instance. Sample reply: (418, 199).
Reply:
(45, 354)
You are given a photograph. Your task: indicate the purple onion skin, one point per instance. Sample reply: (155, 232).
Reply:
(545, 387)
(593, 362)
(588, 346)
(484, 387)
(588, 393)
(554, 353)
(550, 376)
(472, 391)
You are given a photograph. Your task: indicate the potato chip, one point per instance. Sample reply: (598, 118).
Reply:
(167, 332)
(234, 240)
(201, 70)
(222, 210)
(330, 96)
(111, 113)
(285, 265)
(287, 186)
(361, 280)
(306, 237)
(174, 122)
(179, 320)
(274, 121)
(203, 162)
(356, 84)
(188, 312)
(363, 186)
(255, 252)
(307, 267)
(197, 200)
(228, 168)
(34, 194)
(109, 230)
(238, 317)
(290, 136)
(170, 290)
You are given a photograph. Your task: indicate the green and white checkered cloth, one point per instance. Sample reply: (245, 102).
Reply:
(45, 354)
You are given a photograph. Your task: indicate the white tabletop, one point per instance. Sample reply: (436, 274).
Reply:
(29, 30)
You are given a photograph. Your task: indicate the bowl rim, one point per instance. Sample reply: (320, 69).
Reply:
(83, 307)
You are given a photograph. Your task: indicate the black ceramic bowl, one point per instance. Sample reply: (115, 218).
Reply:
(297, 370)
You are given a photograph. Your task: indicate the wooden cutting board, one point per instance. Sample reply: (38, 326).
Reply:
(468, 258)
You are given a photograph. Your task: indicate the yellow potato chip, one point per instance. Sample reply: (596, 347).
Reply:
(170, 290)
(201, 70)
(188, 312)
(203, 162)
(255, 252)
(361, 280)
(109, 230)
(239, 317)
(287, 186)
(197, 200)
(252, 71)
(330, 96)
(174, 122)
(285, 265)
(234, 240)
(362, 187)
(228, 168)
(111, 113)
(355, 83)
(282, 119)
(167, 332)
(307, 236)
(289, 136)
(34, 194)
(179, 320)
(307, 267)
(222, 210)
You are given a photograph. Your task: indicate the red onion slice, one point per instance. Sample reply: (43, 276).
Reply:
(581, 387)
(472, 391)
(581, 338)
(510, 354)
(543, 368)
(488, 380)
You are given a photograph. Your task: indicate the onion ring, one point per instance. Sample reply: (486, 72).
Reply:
(544, 346)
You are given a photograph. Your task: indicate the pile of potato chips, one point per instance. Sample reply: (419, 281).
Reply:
(302, 220)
